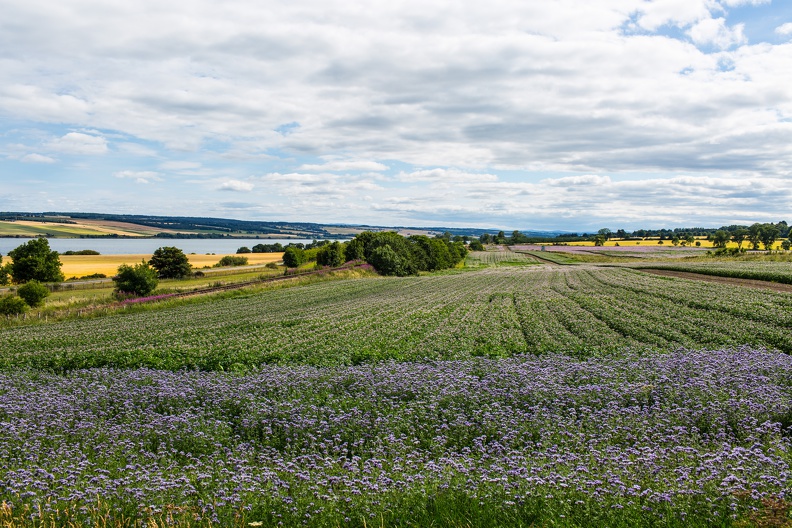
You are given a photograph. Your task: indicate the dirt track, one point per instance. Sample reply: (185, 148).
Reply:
(745, 283)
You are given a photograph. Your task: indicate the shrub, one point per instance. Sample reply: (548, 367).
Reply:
(293, 257)
(140, 279)
(12, 305)
(271, 265)
(33, 293)
(231, 260)
(243, 249)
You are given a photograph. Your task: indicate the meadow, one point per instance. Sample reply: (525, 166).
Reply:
(512, 392)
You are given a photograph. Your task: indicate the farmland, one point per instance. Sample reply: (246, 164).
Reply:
(512, 392)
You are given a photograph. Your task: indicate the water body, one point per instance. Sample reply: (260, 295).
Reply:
(146, 246)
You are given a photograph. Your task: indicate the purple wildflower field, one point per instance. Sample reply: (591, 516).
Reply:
(674, 439)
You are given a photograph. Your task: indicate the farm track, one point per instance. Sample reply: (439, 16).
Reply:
(745, 283)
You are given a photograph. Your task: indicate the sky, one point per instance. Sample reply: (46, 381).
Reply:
(516, 114)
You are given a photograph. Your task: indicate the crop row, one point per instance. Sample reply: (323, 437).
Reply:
(692, 434)
(489, 258)
(498, 311)
(766, 271)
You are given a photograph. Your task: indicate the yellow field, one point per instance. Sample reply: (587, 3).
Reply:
(81, 265)
(666, 243)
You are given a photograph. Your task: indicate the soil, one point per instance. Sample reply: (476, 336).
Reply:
(745, 283)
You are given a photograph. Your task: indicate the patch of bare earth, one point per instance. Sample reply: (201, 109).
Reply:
(745, 283)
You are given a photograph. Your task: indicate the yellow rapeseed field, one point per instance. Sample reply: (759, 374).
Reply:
(81, 265)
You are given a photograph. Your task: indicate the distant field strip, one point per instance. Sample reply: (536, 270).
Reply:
(503, 258)
(766, 271)
(498, 311)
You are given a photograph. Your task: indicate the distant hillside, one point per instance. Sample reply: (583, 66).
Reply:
(93, 225)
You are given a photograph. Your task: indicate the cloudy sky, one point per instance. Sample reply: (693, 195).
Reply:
(527, 114)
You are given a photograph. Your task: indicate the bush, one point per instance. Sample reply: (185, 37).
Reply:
(293, 257)
(33, 293)
(243, 249)
(140, 279)
(231, 260)
(82, 252)
(12, 305)
(331, 255)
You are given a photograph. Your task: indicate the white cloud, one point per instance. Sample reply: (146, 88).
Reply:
(236, 185)
(484, 100)
(79, 143)
(715, 32)
(656, 13)
(179, 165)
(578, 181)
(143, 177)
(445, 176)
(37, 158)
(784, 29)
(345, 165)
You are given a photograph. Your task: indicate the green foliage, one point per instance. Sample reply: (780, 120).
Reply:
(82, 252)
(140, 279)
(407, 256)
(768, 234)
(5, 272)
(386, 261)
(293, 257)
(33, 260)
(720, 238)
(33, 293)
(231, 260)
(170, 263)
(599, 240)
(12, 305)
(243, 249)
(786, 244)
(331, 255)
(476, 245)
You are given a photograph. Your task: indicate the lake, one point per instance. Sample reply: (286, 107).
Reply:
(147, 246)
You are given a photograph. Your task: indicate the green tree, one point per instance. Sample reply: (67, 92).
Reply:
(605, 232)
(33, 293)
(244, 249)
(690, 239)
(739, 237)
(675, 240)
(755, 235)
(476, 245)
(786, 244)
(170, 263)
(140, 279)
(293, 257)
(768, 234)
(599, 240)
(33, 260)
(720, 238)
(387, 262)
(5, 272)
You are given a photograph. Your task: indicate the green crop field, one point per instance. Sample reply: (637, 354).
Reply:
(774, 271)
(494, 312)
